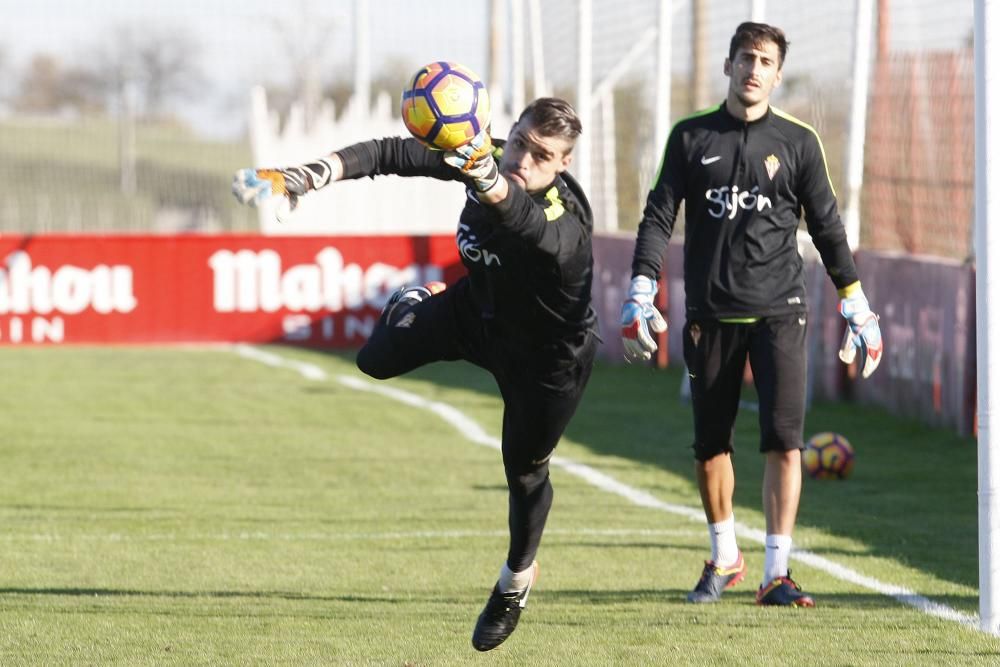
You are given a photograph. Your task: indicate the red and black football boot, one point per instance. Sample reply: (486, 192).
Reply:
(783, 592)
(715, 579)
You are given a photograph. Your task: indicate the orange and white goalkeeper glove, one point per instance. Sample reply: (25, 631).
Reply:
(256, 186)
(863, 332)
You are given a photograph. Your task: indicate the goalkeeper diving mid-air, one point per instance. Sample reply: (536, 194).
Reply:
(523, 311)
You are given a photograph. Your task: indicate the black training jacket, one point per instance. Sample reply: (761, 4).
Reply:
(529, 258)
(745, 187)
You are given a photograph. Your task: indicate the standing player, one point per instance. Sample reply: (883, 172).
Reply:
(523, 312)
(746, 172)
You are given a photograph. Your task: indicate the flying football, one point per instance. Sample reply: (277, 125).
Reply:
(445, 105)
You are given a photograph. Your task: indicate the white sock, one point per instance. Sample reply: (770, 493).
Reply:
(511, 581)
(776, 551)
(723, 537)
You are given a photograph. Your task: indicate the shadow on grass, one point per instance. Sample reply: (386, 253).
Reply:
(673, 597)
(911, 498)
(741, 596)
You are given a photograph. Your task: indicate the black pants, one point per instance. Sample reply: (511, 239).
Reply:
(541, 384)
(716, 353)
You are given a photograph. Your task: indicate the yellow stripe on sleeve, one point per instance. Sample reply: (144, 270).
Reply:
(822, 151)
(555, 207)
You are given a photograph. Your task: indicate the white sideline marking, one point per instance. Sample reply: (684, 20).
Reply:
(476, 434)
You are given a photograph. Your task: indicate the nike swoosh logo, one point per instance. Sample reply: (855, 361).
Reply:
(710, 160)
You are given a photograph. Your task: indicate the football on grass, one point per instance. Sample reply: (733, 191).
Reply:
(828, 456)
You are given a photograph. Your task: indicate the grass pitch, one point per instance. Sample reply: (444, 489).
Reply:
(166, 506)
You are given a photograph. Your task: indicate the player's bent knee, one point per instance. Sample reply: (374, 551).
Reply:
(372, 365)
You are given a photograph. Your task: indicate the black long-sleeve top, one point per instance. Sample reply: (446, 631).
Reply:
(529, 257)
(745, 186)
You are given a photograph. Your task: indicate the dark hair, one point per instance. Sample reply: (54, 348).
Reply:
(754, 35)
(552, 117)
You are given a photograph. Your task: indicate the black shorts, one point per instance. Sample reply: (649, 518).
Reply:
(541, 381)
(716, 353)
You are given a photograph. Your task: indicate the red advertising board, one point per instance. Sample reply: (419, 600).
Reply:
(328, 291)
(143, 289)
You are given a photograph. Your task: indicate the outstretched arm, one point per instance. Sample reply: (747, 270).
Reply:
(392, 155)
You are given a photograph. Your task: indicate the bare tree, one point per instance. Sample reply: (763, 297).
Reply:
(391, 78)
(47, 86)
(168, 69)
(83, 91)
(38, 90)
(158, 65)
(306, 37)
